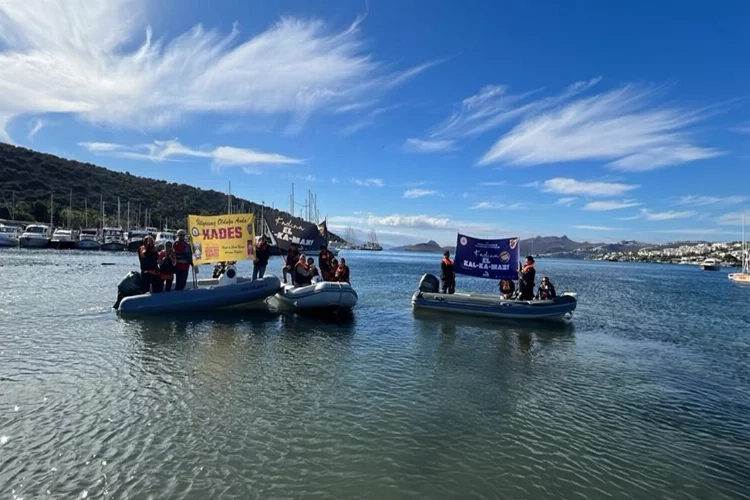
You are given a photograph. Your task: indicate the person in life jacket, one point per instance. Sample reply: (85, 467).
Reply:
(303, 271)
(325, 258)
(527, 279)
(342, 272)
(448, 274)
(290, 261)
(262, 254)
(184, 255)
(546, 290)
(149, 260)
(167, 265)
(507, 288)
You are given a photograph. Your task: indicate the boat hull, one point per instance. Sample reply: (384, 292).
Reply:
(27, 242)
(134, 245)
(323, 296)
(560, 308)
(743, 278)
(710, 267)
(113, 246)
(202, 298)
(88, 245)
(8, 242)
(63, 244)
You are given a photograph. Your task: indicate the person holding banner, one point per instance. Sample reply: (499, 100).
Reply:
(448, 274)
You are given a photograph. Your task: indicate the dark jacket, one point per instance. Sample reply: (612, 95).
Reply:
(324, 261)
(447, 270)
(526, 282)
(149, 259)
(291, 259)
(262, 254)
(510, 287)
(546, 293)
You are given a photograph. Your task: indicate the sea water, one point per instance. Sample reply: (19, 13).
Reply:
(645, 395)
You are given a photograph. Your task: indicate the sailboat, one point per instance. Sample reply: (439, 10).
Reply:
(489, 259)
(372, 243)
(744, 276)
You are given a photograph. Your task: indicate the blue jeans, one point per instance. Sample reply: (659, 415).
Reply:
(258, 271)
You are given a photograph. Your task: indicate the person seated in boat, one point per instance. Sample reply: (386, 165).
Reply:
(303, 272)
(324, 263)
(290, 261)
(167, 265)
(342, 272)
(219, 269)
(334, 267)
(448, 274)
(148, 257)
(507, 288)
(527, 279)
(546, 290)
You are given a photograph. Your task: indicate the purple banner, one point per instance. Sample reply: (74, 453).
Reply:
(491, 259)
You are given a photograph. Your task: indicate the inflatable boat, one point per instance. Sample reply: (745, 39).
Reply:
(322, 296)
(227, 292)
(475, 304)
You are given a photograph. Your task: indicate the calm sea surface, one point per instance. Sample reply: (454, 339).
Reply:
(646, 395)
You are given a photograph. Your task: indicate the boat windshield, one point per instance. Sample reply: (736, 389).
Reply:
(88, 232)
(36, 229)
(6, 229)
(114, 233)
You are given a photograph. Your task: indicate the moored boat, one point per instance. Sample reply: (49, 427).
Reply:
(162, 238)
(710, 264)
(113, 239)
(476, 304)
(88, 239)
(322, 296)
(64, 239)
(9, 235)
(35, 236)
(135, 239)
(743, 276)
(228, 292)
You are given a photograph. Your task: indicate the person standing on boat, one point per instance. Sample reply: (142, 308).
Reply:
(448, 274)
(167, 265)
(184, 255)
(262, 254)
(149, 260)
(527, 279)
(290, 261)
(325, 258)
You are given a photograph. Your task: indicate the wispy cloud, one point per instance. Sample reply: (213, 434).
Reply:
(668, 215)
(334, 180)
(601, 206)
(562, 185)
(742, 129)
(696, 201)
(567, 201)
(493, 183)
(417, 222)
(300, 177)
(357, 126)
(732, 219)
(620, 126)
(422, 146)
(496, 205)
(37, 124)
(367, 182)
(72, 57)
(596, 228)
(160, 151)
(419, 193)
(699, 232)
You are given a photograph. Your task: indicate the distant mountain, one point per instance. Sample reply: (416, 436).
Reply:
(430, 246)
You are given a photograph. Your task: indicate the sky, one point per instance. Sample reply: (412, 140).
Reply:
(601, 121)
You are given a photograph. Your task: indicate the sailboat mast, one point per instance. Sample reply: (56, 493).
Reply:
(51, 211)
(229, 199)
(118, 212)
(128, 222)
(292, 200)
(86, 212)
(70, 208)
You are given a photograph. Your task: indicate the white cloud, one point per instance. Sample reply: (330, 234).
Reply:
(495, 205)
(732, 219)
(356, 127)
(419, 193)
(493, 183)
(75, 57)
(567, 201)
(562, 185)
(616, 126)
(610, 205)
(159, 151)
(368, 182)
(694, 200)
(668, 215)
(300, 177)
(695, 231)
(334, 180)
(421, 146)
(596, 228)
(36, 125)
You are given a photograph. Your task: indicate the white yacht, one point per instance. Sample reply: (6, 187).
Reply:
(64, 239)
(88, 239)
(162, 238)
(9, 235)
(744, 275)
(35, 236)
(135, 238)
(113, 239)
(710, 264)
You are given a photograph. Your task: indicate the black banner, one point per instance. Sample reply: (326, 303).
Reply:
(288, 230)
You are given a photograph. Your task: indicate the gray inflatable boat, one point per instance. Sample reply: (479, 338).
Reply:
(226, 292)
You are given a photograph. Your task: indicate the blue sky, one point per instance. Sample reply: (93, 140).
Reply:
(417, 119)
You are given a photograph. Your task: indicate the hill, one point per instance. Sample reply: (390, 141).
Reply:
(430, 246)
(28, 178)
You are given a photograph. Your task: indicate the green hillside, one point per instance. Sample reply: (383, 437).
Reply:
(28, 178)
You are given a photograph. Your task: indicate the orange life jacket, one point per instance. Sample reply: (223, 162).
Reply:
(447, 261)
(526, 267)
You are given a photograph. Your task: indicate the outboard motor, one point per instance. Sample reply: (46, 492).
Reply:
(129, 286)
(429, 283)
(228, 277)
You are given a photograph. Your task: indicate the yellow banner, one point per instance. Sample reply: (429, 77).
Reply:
(221, 238)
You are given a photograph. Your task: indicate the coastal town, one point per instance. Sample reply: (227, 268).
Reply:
(729, 254)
